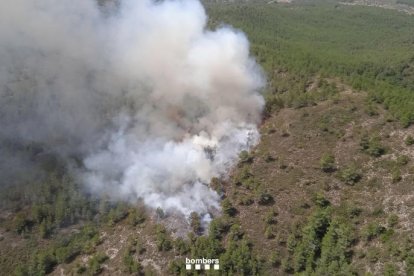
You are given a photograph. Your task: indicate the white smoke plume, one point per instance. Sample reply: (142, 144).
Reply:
(153, 102)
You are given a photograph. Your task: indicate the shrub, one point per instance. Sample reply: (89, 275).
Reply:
(95, 263)
(162, 240)
(195, 222)
(396, 175)
(130, 265)
(21, 223)
(392, 220)
(135, 217)
(181, 246)
(327, 163)
(321, 201)
(350, 175)
(275, 259)
(371, 231)
(236, 232)
(228, 208)
(402, 160)
(390, 270)
(269, 232)
(372, 146)
(245, 157)
(265, 199)
(373, 254)
(246, 200)
(409, 140)
(270, 217)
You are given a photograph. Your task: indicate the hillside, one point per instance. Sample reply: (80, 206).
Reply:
(327, 191)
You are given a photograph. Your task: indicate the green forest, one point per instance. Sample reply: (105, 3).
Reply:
(368, 48)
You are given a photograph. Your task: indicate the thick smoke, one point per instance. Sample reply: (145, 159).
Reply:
(152, 102)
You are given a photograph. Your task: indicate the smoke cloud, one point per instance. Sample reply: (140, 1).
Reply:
(152, 102)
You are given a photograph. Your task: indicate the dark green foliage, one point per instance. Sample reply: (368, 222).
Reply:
(54, 203)
(335, 250)
(238, 259)
(206, 247)
(62, 250)
(308, 249)
(323, 247)
(344, 45)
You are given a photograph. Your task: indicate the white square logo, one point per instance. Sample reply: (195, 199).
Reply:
(207, 267)
(188, 266)
(216, 267)
(197, 267)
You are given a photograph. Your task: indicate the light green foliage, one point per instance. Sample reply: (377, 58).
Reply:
(371, 231)
(94, 264)
(228, 208)
(409, 140)
(393, 220)
(403, 160)
(245, 157)
(163, 241)
(390, 270)
(130, 264)
(135, 217)
(275, 259)
(372, 146)
(195, 222)
(321, 200)
(350, 175)
(327, 163)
